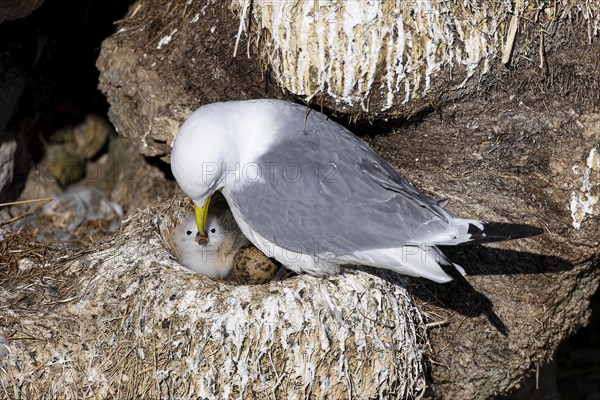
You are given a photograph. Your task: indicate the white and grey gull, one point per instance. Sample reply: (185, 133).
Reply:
(309, 193)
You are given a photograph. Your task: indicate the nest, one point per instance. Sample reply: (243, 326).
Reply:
(124, 320)
(394, 58)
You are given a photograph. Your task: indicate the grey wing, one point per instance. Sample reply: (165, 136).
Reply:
(325, 191)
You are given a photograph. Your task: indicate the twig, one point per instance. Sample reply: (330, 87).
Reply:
(437, 323)
(45, 200)
(512, 33)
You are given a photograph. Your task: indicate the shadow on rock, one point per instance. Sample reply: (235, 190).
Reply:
(481, 260)
(460, 296)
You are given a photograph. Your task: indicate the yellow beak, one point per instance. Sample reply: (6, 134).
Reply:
(201, 214)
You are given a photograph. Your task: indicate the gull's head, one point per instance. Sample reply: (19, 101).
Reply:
(218, 140)
(210, 259)
(220, 237)
(203, 152)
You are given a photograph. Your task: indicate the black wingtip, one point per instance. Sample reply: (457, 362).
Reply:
(500, 231)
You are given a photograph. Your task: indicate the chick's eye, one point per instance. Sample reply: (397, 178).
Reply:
(188, 233)
(213, 230)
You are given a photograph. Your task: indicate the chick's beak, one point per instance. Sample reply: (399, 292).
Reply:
(201, 216)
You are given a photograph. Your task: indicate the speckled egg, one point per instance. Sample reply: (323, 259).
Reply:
(251, 266)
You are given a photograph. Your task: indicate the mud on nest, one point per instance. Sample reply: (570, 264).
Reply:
(125, 320)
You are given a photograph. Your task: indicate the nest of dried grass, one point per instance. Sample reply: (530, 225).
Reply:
(125, 320)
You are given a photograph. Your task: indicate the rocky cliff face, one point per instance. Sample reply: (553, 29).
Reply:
(13, 9)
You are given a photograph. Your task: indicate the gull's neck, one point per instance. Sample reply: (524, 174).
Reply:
(252, 129)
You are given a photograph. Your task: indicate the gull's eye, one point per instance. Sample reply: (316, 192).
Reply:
(188, 233)
(213, 230)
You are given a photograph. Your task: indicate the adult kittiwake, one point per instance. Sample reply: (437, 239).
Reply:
(312, 195)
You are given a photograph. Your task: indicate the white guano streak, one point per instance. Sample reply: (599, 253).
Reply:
(303, 52)
(349, 59)
(321, 32)
(333, 54)
(583, 201)
(409, 43)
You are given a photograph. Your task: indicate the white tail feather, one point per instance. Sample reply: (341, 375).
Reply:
(419, 261)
